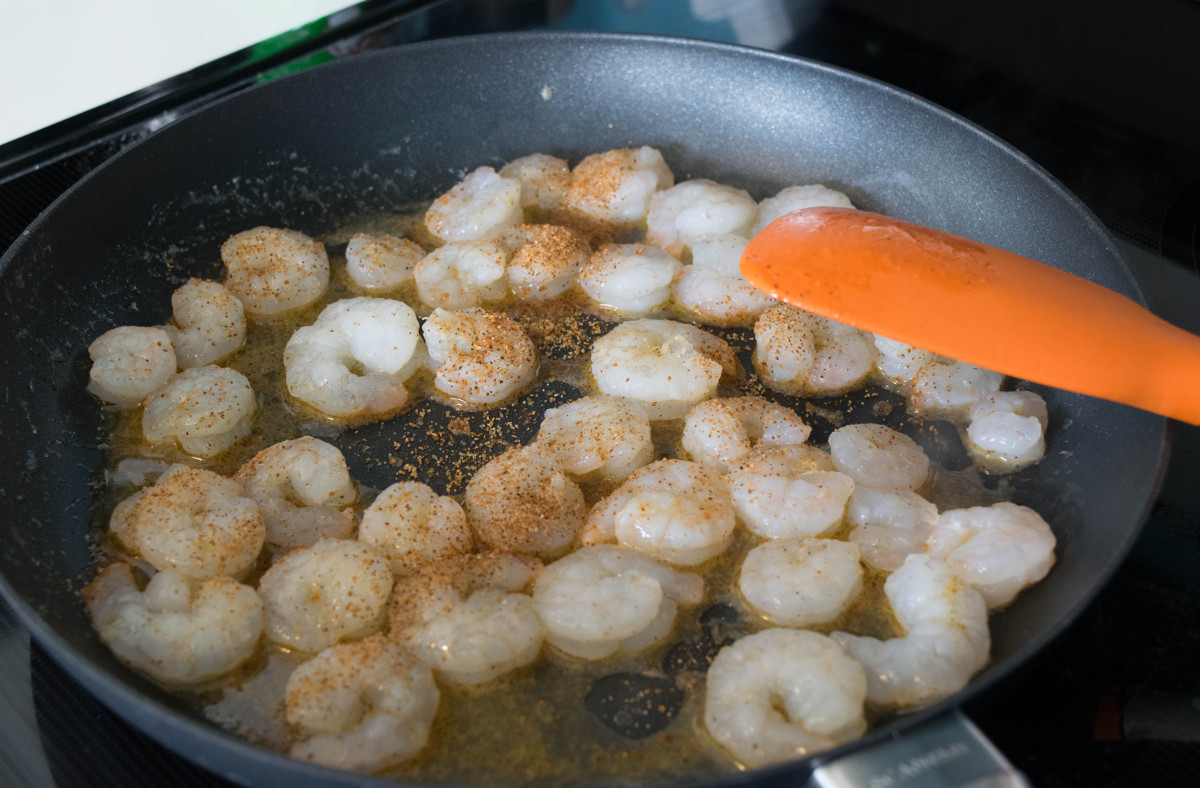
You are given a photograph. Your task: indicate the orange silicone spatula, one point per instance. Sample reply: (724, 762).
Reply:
(977, 304)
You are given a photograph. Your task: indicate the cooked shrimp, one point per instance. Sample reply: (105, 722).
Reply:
(174, 631)
(522, 502)
(801, 353)
(889, 525)
(469, 617)
(129, 363)
(273, 271)
(673, 510)
(361, 706)
(334, 590)
(205, 410)
(545, 260)
(946, 638)
(544, 180)
(603, 599)
(303, 489)
(694, 210)
(633, 278)
(415, 526)
(209, 323)
(801, 581)
(481, 357)
(1007, 431)
(898, 363)
(719, 432)
(354, 359)
(794, 198)
(381, 262)
(463, 275)
(616, 186)
(950, 388)
(609, 435)
(193, 521)
(666, 365)
(878, 456)
(789, 491)
(781, 694)
(713, 289)
(998, 549)
(477, 208)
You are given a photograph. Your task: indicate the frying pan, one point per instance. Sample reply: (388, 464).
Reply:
(381, 130)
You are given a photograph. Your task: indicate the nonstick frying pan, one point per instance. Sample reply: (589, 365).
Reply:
(380, 131)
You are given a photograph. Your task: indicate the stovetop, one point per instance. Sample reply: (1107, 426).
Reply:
(1102, 93)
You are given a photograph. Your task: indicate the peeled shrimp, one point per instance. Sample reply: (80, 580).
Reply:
(477, 208)
(789, 491)
(209, 323)
(666, 365)
(801, 581)
(713, 289)
(544, 180)
(950, 388)
(381, 262)
(205, 410)
(946, 638)
(801, 353)
(1007, 430)
(481, 357)
(633, 278)
(545, 261)
(315, 596)
(694, 210)
(878, 456)
(673, 510)
(361, 706)
(273, 271)
(463, 275)
(998, 549)
(129, 363)
(415, 526)
(174, 631)
(468, 617)
(616, 186)
(781, 694)
(303, 489)
(794, 198)
(889, 525)
(898, 363)
(603, 599)
(719, 432)
(609, 435)
(354, 359)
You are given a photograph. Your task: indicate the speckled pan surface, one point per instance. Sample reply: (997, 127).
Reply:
(382, 130)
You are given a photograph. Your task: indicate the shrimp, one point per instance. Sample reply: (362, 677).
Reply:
(381, 262)
(129, 363)
(544, 180)
(546, 260)
(477, 208)
(194, 521)
(949, 389)
(694, 210)
(889, 525)
(174, 631)
(522, 502)
(468, 617)
(713, 289)
(273, 271)
(303, 489)
(666, 365)
(355, 358)
(603, 599)
(415, 526)
(336, 589)
(719, 432)
(946, 638)
(998, 549)
(794, 198)
(604, 434)
(898, 363)
(204, 409)
(210, 323)
(673, 510)
(801, 353)
(632, 278)
(789, 491)
(463, 275)
(616, 186)
(781, 694)
(801, 581)
(481, 357)
(361, 706)
(878, 456)
(1007, 431)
